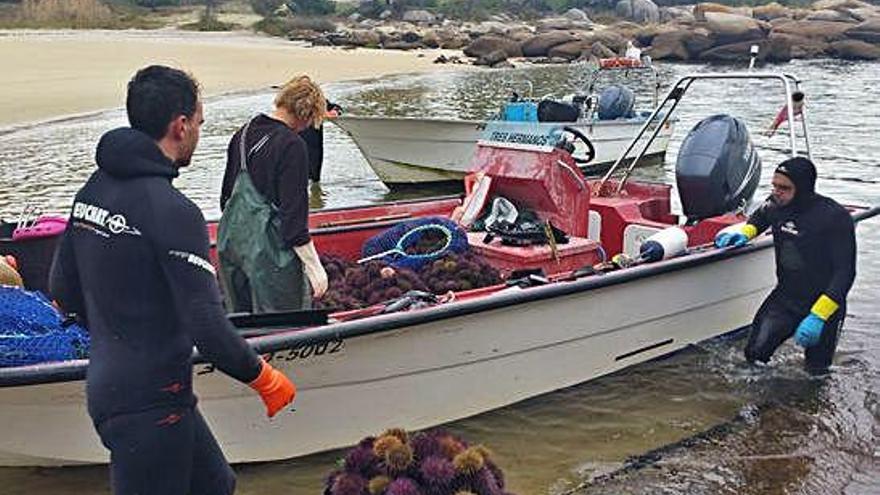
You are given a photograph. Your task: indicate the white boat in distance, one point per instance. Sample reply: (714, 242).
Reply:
(409, 151)
(485, 349)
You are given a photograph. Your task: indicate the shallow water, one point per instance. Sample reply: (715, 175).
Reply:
(783, 431)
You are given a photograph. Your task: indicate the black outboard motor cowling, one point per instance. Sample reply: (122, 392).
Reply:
(616, 102)
(717, 168)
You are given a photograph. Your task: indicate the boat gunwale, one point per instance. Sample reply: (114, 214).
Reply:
(483, 122)
(66, 371)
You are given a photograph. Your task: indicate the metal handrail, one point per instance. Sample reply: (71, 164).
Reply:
(790, 84)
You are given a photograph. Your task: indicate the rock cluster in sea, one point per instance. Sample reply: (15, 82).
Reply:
(704, 32)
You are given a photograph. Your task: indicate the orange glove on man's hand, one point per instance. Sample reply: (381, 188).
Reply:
(274, 388)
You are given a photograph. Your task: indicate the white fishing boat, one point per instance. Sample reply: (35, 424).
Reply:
(486, 348)
(409, 151)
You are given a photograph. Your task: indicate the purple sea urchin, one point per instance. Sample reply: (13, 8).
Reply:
(349, 484)
(485, 483)
(450, 446)
(361, 460)
(437, 471)
(403, 486)
(425, 445)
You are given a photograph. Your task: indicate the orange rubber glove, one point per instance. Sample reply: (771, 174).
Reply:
(274, 388)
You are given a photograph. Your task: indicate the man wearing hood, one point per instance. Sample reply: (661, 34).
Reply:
(133, 267)
(814, 239)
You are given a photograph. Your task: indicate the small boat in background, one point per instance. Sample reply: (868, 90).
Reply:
(411, 151)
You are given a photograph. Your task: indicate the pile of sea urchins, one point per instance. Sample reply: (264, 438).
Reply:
(353, 285)
(426, 463)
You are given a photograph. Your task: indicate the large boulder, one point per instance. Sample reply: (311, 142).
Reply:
(642, 11)
(832, 16)
(561, 24)
(731, 28)
(676, 14)
(802, 47)
(839, 4)
(741, 52)
(419, 16)
(700, 9)
(491, 27)
(684, 44)
(520, 34)
(821, 30)
(577, 15)
(599, 50)
(646, 34)
(868, 31)
(609, 38)
(855, 50)
(540, 44)
(492, 58)
(445, 38)
(402, 45)
(770, 11)
(364, 37)
(485, 45)
(569, 51)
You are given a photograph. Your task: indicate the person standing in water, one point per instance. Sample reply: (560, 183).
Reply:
(133, 267)
(268, 262)
(815, 244)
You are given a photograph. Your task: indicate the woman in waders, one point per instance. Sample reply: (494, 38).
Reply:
(268, 262)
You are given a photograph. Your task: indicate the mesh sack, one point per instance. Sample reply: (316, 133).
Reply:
(414, 243)
(32, 331)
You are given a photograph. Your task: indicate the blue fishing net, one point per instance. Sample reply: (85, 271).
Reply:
(32, 331)
(417, 242)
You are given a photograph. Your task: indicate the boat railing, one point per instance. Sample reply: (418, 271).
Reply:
(645, 66)
(790, 84)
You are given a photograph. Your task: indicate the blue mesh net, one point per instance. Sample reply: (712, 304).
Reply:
(32, 331)
(414, 243)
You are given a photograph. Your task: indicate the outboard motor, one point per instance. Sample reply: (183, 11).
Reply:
(616, 102)
(718, 168)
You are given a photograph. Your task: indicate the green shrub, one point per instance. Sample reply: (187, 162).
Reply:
(312, 7)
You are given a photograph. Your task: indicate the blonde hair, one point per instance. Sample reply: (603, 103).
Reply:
(303, 100)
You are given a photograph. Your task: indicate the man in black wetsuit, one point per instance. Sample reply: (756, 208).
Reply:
(133, 266)
(814, 238)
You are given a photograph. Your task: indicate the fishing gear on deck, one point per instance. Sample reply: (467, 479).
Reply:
(33, 331)
(415, 243)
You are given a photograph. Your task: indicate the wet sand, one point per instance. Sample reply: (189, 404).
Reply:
(52, 74)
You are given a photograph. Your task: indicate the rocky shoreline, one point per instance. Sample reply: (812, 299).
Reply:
(704, 32)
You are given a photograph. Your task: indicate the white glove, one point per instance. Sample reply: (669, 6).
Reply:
(313, 268)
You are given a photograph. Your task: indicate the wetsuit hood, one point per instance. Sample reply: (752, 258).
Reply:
(127, 153)
(802, 173)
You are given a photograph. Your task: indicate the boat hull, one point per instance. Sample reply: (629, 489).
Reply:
(413, 151)
(449, 365)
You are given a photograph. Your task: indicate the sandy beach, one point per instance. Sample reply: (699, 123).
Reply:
(51, 74)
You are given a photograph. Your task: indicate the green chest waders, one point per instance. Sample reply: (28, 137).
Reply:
(258, 273)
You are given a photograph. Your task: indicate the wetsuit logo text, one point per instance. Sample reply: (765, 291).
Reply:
(101, 221)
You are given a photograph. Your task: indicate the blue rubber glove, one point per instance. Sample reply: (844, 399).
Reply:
(809, 331)
(734, 239)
